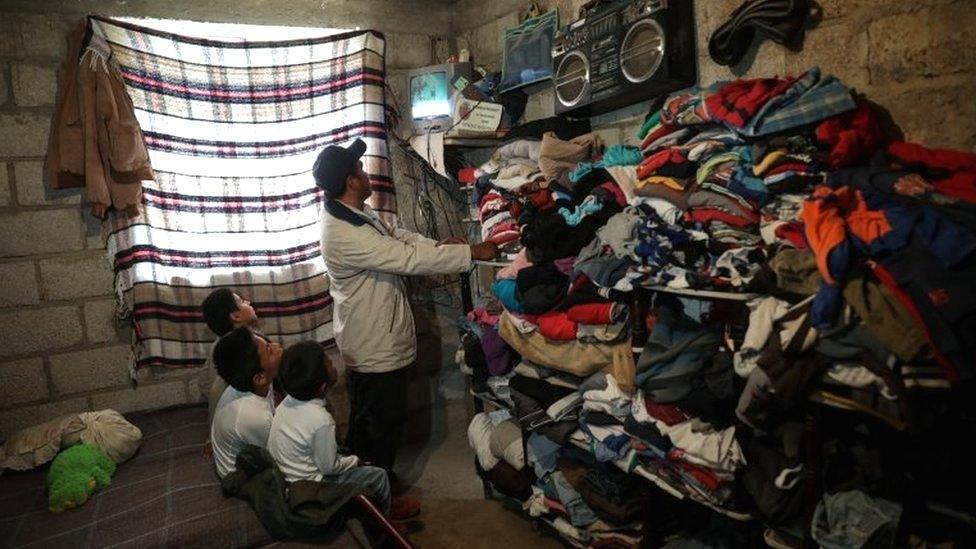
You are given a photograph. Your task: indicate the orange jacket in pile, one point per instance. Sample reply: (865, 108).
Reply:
(96, 141)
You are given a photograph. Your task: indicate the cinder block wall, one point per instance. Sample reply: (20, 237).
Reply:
(60, 351)
(913, 57)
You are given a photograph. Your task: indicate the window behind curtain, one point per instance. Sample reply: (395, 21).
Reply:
(232, 129)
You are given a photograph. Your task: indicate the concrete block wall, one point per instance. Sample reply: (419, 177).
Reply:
(913, 58)
(60, 349)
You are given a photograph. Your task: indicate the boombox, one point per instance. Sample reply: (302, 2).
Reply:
(623, 52)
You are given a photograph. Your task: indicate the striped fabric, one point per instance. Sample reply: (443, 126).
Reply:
(232, 130)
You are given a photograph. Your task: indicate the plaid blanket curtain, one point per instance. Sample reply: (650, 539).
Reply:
(232, 130)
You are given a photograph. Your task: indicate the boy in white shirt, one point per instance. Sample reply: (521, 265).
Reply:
(249, 364)
(223, 310)
(303, 433)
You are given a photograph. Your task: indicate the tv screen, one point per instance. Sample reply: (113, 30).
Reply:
(429, 95)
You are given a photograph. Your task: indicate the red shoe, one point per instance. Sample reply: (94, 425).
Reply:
(404, 507)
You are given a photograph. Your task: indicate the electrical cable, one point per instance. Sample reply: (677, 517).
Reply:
(443, 287)
(427, 201)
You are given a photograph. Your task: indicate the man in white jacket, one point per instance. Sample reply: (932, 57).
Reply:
(372, 319)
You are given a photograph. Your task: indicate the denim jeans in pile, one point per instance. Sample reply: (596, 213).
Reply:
(580, 513)
(373, 480)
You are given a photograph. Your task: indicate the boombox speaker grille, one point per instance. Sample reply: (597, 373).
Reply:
(642, 51)
(572, 78)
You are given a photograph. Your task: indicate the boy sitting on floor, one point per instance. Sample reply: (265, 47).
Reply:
(303, 433)
(248, 363)
(223, 310)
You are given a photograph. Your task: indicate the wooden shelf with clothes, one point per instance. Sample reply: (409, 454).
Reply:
(680, 491)
(674, 488)
(629, 465)
(645, 294)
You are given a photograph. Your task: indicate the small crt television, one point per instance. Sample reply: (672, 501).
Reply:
(433, 96)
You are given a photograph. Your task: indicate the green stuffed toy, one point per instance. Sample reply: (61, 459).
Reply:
(75, 474)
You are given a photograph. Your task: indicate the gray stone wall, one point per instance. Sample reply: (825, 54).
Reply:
(60, 348)
(913, 57)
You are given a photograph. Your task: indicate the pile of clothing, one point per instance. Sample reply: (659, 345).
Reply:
(519, 174)
(581, 438)
(855, 248)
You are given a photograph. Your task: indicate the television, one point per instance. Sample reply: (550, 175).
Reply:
(433, 96)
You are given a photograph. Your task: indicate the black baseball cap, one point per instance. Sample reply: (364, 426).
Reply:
(334, 164)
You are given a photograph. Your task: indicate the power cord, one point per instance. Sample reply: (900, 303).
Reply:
(434, 286)
(429, 201)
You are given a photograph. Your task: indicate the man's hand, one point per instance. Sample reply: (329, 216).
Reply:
(484, 251)
(452, 240)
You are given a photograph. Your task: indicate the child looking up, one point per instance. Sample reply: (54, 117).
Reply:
(303, 432)
(249, 364)
(223, 310)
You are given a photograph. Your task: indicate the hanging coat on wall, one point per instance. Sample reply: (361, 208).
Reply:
(96, 141)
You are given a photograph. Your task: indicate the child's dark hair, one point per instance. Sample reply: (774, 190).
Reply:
(217, 308)
(237, 360)
(303, 370)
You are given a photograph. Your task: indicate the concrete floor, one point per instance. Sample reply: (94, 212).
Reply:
(454, 511)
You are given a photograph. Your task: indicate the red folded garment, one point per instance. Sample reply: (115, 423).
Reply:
(489, 196)
(557, 326)
(578, 282)
(913, 154)
(487, 213)
(653, 136)
(614, 189)
(853, 136)
(798, 167)
(591, 313)
(705, 215)
(654, 162)
(737, 101)
(481, 315)
(959, 183)
(466, 175)
(542, 199)
(504, 232)
(707, 478)
(792, 232)
(667, 413)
